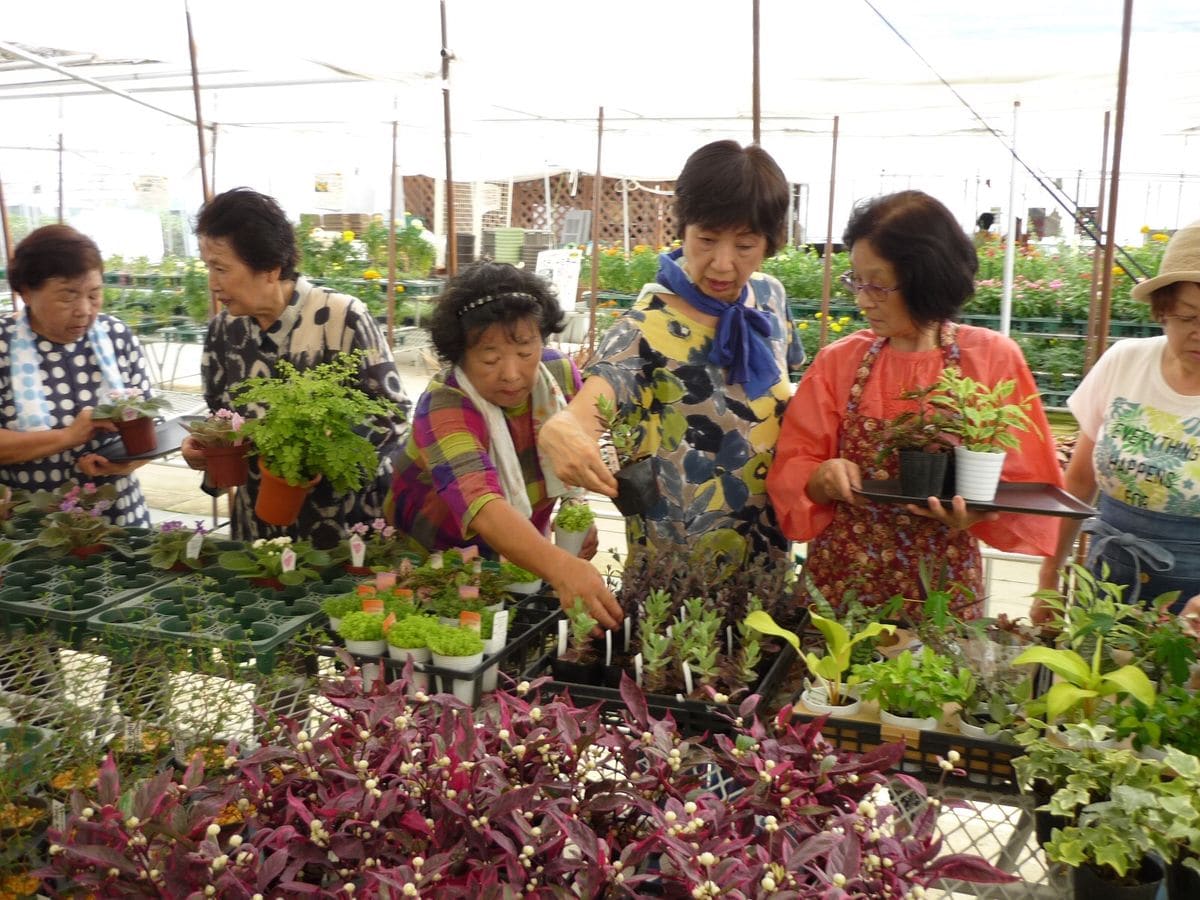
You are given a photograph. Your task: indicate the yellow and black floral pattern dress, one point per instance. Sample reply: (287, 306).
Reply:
(715, 444)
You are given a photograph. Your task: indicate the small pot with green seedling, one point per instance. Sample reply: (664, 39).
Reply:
(518, 580)
(577, 660)
(912, 692)
(460, 650)
(923, 452)
(572, 524)
(656, 652)
(408, 639)
(363, 633)
(699, 641)
(636, 475)
(338, 606)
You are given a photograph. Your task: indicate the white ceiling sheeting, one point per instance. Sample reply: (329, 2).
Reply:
(529, 76)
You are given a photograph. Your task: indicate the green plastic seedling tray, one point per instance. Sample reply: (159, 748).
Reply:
(243, 620)
(40, 592)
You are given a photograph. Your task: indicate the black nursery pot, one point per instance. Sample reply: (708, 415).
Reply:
(637, 487)
(1182, 881)
(575, 672)
(923, 474)
(1088, 883)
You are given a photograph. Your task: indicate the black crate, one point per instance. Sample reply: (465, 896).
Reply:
(692, 717)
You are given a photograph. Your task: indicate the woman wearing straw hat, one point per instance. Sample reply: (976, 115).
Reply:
(1139, 444)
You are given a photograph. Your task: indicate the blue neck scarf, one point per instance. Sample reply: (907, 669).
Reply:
(741, 343)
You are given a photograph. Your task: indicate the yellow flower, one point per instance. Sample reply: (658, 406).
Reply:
(803, 326)
(835, 327)
(640, 248)
(1160, 237)
(399, 289)
(1145, 229)
(371, 275)
(818, 315)
(1118, 271)
(844, 320)
(347, 236)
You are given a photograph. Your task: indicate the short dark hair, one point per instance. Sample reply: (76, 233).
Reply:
(257, 228)
(518, 295)
(52, 251)
(724, 185)
(1163, 300)
(933, 257)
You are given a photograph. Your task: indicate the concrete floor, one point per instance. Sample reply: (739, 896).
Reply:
(172, 489)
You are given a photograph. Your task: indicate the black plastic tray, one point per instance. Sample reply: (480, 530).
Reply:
(1032, 497)
(170, 433)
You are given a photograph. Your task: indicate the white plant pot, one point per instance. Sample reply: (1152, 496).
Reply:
(524, 587)
(491, 647)
(420, 681)
(910, 722)
(966, 729)
(464, 688)
(817, 700)
(335, 624)
(367, 648)
(977, 474)
(571, 541)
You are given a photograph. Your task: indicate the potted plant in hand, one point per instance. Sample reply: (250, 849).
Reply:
(572, 524)
(913, 691)
(225, 447)
(920, 441)
(311, 429)
(984, 421)
(132, 410)
(637, 477)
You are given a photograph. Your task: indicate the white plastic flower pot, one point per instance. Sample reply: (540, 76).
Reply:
(420, 681)
(335, 624)
(491, 647)
(977, 474)
(816, 698)
(570, 541)
(524, 587)
(464, 688)
(910, 722)
(367, 648)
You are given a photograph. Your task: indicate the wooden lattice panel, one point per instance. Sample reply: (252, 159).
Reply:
(418, 197)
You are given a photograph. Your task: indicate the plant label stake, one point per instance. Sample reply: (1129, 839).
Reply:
(471, 620)
(500, 626)
(58, 815)
(133, 734)
(687, 677)
(637, 668)
(628, 625)
(562, 636)
(385, 581)
(388, 622)
(195, 542)
(729, 639)
(287, 560)
(358, 550)
(179, 746)
(608, 648)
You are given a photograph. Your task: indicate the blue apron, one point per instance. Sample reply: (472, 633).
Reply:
(1152, 552)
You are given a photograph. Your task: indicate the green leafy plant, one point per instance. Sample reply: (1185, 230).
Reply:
(623, 431)
(514, 574)
(914, 686)
(340, 605)
(574, 517)
(222, 429)
(446, 640)
(750, 641)
(264, 559)
(924, 428)
(168, 546)
(361, 626)
(582, 624)
(313, 422)
(1173, 719)
(700, 640)
(979, 415)
(411, 632)
(1083, 685)
(127, 404)
(74, 516)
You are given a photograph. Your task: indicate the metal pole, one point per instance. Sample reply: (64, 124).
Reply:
(625, 213)
(1114, 183)
(61, 220)
(827, 278)
(549, 216)
(595, 236)
(1010, 244)
(755, 95)
(451, 237)
(204, 184)
(391, 245)
(214, 157)
(1095, 339)
(8, 243)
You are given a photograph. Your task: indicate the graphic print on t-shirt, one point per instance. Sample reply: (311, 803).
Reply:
(1149, 458)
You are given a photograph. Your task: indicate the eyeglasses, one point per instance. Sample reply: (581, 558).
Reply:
(1184, 323)
(874, 291)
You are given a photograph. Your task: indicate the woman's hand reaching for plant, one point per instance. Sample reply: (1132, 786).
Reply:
(591, 544)
(575, 455)
(575, 577)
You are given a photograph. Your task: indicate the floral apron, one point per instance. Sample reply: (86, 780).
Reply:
(876, 550)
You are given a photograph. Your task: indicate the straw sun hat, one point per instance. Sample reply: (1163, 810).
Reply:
(1180, 262)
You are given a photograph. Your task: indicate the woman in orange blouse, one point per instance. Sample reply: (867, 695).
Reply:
(913, 268)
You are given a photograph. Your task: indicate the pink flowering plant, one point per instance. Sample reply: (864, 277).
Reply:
(400, 794)
(127, 404)
(264, 558)
(221, 429)
(168, 547)
(385, 549)
(74, 516)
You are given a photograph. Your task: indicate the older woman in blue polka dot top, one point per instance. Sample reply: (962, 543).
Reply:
(59, 356)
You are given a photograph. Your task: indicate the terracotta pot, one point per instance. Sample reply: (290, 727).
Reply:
(226, 464)
(86, 551)
(279, 503)
(137, 435)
